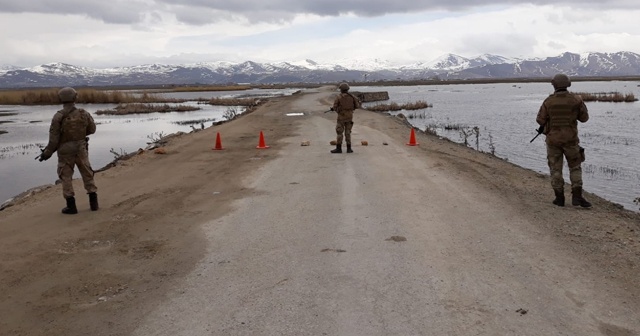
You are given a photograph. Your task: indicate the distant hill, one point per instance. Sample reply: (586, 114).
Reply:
(449, 66)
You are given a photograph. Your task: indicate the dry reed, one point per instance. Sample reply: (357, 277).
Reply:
(420, 104)
(124, 109)
(85, 96)
(234, 101)
(211, 88)
(615, 97)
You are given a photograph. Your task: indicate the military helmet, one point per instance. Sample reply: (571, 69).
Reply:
(343, 87)
(561, 81)
(67, 95)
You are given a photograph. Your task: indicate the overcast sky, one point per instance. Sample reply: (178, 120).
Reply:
(100, 33)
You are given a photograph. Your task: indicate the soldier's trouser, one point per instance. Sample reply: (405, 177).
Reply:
(555, 156)
(66, 164)
(344, 127)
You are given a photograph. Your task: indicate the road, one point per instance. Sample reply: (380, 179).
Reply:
(434, 239)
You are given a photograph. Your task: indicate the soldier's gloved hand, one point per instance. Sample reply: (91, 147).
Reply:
(44, 156)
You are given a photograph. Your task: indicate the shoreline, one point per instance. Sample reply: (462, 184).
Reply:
(178, 231)
(618, 201)
(149, 149)
(169, 88)
(20, 197)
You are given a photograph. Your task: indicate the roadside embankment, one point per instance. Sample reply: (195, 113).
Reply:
(204, 241)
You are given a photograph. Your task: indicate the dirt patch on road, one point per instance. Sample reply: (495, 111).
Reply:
(100, 273)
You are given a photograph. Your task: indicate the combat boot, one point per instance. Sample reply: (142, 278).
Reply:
(338, 149)
(559, 201)
(577, 199)
(93, 201)
(70, 209)
(349, 148)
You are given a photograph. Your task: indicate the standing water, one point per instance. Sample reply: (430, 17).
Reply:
(505, 114)
(27, 129)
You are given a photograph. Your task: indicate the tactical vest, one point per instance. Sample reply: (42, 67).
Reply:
(74, 126)
(347, 102)
(560, 107)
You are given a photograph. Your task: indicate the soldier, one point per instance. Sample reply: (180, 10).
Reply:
(560, 114)
(68, 136)
(344, 105)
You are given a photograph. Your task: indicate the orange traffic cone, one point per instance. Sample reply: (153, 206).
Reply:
(261, 144)
(412, 139)
(218, 142)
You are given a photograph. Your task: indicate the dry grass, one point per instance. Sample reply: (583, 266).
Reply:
(234, 101)
(211, 88)
(420, 104)
(123, 109)
(85, 96)
(615, 97)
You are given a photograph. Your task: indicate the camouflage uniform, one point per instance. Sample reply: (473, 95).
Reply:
(344, 105)
(67, 135)
(560, 114)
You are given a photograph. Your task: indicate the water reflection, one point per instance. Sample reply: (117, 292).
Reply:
(27, 130)
(503, 113)
(505, 116)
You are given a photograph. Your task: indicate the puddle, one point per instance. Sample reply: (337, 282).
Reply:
(333, 250)
(397, 239)
(295, 114)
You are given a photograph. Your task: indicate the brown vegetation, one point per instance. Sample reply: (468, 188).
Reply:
(234, 101)
(211, 88)
(123, 109)
(397, 107)
(85, 96)
(436, 81)
(615, 97)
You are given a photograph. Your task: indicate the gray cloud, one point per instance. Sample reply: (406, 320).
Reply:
(191, 11)
(500, 44)
(556, 45)
(373, 7)
(114, 11)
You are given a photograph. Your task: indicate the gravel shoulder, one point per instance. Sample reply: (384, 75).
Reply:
(291, 240)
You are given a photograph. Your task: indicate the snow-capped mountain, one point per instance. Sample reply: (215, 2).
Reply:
(449, 62)
(313, 65)
(607, 62)
(489, 59)
(448, 66)
(5, 68)
(589, 64)
(452, 62)
(375, 64)
(61, 69)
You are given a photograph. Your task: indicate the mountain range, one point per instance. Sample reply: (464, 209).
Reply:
(447, 67)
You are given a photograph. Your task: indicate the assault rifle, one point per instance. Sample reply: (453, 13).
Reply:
(540, 130)
(330, 110)
(39, 155)
(86, 145)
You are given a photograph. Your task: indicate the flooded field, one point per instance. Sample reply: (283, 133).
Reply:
(494, 118)
(27, 130)
(503, 116)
